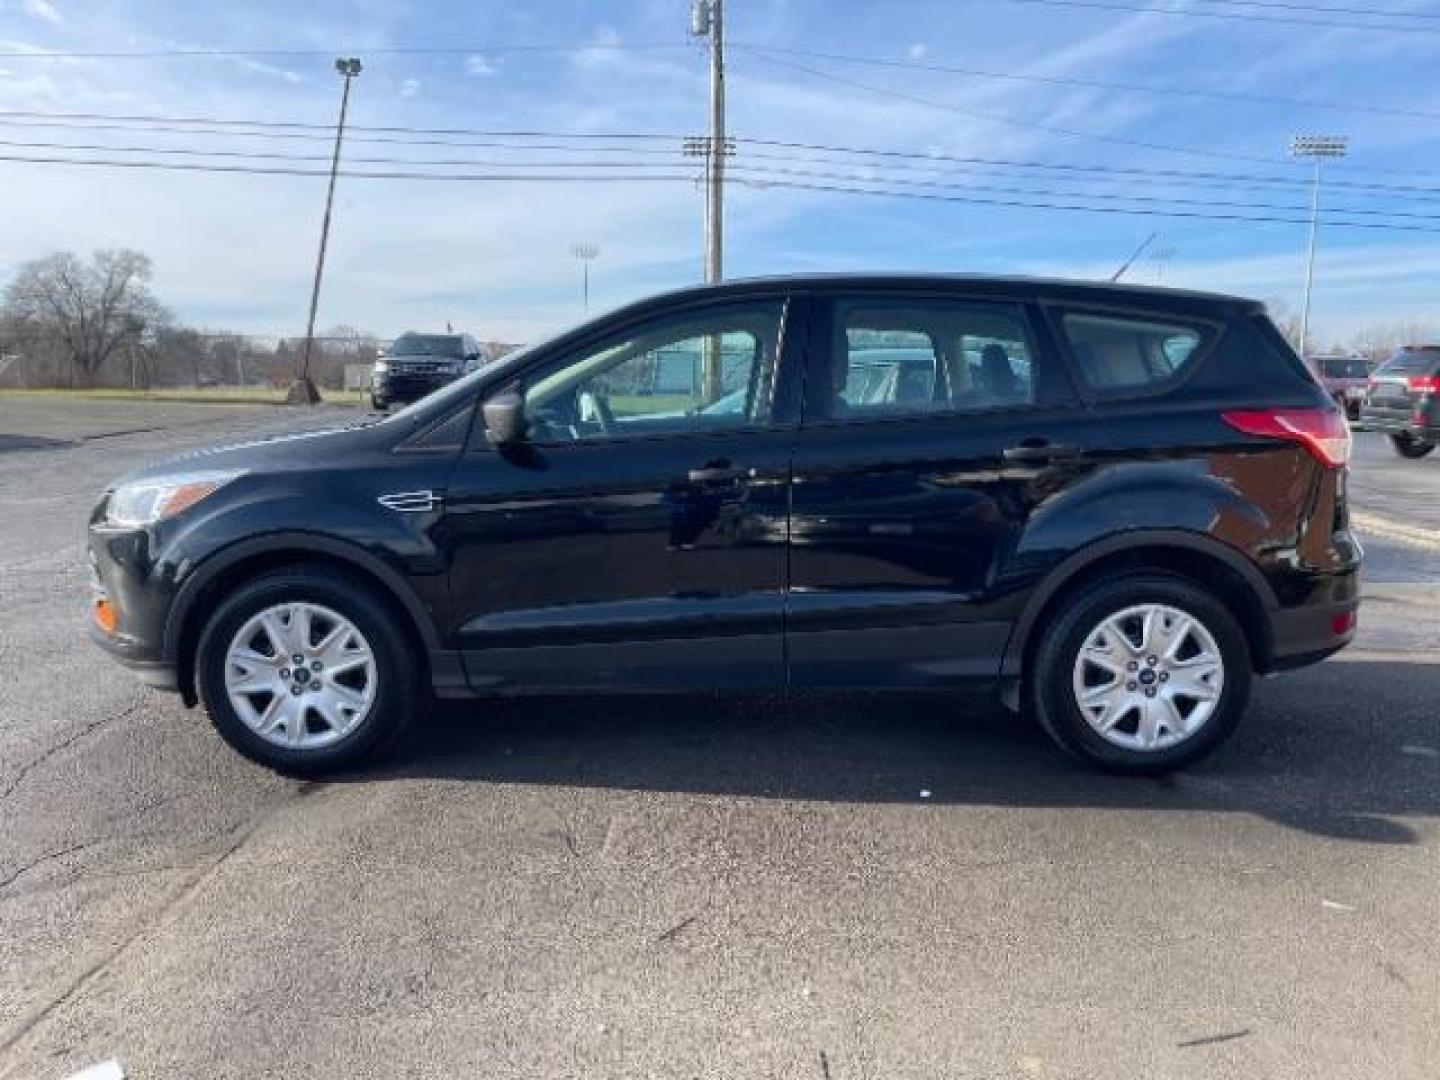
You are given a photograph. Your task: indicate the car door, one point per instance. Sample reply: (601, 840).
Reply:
(935, 428)
(637, 537)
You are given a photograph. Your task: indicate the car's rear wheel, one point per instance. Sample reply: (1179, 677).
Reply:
(1141, 674)
(1407, 446)
(305, 671)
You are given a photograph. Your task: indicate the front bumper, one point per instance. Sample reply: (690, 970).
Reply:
(138, 594)
(400, 386)
(160, 674)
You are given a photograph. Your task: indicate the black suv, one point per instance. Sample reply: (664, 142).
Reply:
(1108, 506)
(419, 364)
(1403, 400)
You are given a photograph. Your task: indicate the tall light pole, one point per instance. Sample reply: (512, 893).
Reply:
(585, 252)
(304, 392)
(1317, 148)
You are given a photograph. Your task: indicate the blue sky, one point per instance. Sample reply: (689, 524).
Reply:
(235, 251)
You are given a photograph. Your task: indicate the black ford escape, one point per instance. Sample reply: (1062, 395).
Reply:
(1111, 505)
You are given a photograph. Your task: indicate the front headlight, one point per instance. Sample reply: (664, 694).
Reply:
(381, 367)
(144, 502)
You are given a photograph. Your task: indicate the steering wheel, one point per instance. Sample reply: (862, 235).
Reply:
(598, 406)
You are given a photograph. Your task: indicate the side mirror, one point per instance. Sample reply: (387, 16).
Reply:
(505, 423)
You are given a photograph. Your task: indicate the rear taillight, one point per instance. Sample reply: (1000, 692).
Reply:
(1323, 432)
(1423, 384)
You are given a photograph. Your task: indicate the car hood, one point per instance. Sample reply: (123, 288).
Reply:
(273, 453)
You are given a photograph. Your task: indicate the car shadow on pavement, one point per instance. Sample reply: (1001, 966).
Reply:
(1340, 750)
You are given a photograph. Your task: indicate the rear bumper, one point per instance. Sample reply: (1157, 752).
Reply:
(1400, 422)
(1308, 635)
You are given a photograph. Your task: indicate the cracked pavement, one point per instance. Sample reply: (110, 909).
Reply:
(709, 886)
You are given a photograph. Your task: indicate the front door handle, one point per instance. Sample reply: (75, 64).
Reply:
(711, 474)
(1041, 452)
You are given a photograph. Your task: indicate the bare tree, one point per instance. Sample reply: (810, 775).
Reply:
(93, 310)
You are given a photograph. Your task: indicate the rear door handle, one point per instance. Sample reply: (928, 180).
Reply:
(715, 473)
(1041, 452)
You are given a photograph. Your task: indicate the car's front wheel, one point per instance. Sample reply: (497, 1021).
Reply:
(1407, 446)
(305, 671)
(1141, 674)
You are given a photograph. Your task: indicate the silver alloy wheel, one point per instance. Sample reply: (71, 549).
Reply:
(1148, 677)
(300, 675)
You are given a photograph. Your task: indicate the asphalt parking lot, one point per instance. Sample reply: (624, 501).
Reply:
(829, 887)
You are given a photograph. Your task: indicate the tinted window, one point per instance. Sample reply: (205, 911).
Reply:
(1343, 367)
(1120, 353)
(447, 345)
(710, 371)
(933, 356)
(1412, 362)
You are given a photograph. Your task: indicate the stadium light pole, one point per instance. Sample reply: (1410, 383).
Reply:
(585, 253)
(304, 392)
(1317, 148)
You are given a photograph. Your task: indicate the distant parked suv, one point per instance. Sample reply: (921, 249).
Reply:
(1344, 379)
(418, 364)
(1106, 506)
(1403, 400)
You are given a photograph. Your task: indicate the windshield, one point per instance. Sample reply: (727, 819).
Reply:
(446, 345)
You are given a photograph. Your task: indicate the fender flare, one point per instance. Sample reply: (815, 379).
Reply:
(302, 543)
(1130, 540)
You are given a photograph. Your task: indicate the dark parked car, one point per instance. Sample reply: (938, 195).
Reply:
(1108, 506)
(1403, 400)
(1344, 379)
(419, 364)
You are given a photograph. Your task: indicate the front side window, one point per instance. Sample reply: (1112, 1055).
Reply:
(928, 357)
(708, 371)
(1117, 353)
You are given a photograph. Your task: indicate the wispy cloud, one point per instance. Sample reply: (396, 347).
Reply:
(475, 64)
(42, 9)
(409, 88)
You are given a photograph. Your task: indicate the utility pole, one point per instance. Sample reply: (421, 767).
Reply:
(303, 392)
(1318, 148)
(707, 19)
(585, 252)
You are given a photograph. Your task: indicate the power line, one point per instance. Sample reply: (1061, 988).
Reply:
(1233, 16)
(328, 130)
(1136, 212)
(1169, 200)
(363, 50)
(1053, 129)
(687, 178)
(1180, 179)
(260, 156)
(925, 161)
(1328, 9)
(1097, 84)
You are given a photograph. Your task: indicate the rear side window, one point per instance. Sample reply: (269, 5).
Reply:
(929, 356)
(1120, 353)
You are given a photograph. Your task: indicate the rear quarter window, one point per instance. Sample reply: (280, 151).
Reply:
(1128, 354)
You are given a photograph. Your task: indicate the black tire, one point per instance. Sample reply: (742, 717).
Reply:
(397, 687)
(1052, 700)
(378, 404)
(1407, 446)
